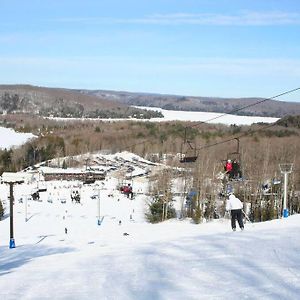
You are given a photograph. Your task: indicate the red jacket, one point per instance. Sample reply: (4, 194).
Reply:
(228, 166)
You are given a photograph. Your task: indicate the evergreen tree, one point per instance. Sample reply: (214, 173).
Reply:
(1, 210)
(6, 160)
(160, 210)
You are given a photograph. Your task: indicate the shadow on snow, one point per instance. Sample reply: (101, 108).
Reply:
(12, 259)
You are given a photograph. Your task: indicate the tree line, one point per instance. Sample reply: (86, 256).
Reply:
(61, 108)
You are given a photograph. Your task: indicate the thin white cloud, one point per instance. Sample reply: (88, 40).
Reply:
(237, 66)
(241, 19)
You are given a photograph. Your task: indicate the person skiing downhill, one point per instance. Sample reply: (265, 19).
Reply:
(234, 205)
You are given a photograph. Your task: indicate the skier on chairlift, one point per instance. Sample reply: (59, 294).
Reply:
(235, 169)
(228, 168)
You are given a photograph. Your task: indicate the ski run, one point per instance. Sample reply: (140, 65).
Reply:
(107, 250)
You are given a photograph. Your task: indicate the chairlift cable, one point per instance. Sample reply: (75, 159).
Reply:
(243, 107)
(236, 110)
(237, 137)
(220, 116)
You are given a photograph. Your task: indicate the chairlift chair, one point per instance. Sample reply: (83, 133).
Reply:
(188, 153)
(235, 156)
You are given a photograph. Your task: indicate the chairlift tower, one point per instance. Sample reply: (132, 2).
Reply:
(285, 169)
(12, 179)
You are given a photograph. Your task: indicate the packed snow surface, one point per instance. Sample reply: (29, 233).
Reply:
(127, 258)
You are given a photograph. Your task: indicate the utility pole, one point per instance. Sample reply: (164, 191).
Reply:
(285, 169)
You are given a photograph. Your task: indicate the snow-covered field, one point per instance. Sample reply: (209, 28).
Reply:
(137, 260)
(192, 116)
(10, 138)
(210, 117)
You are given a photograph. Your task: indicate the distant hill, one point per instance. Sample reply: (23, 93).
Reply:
(60, 102)
(270, 108)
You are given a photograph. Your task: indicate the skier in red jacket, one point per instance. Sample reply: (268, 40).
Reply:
(228, 168)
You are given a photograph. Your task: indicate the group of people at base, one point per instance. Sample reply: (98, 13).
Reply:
(127, 190)
(235, 206)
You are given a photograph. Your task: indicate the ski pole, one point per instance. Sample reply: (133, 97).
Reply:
(247, 218)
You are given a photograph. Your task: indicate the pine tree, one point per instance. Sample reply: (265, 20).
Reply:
(160, 210)
(1, 210)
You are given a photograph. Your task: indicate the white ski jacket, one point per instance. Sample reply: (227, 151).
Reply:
(233, 203)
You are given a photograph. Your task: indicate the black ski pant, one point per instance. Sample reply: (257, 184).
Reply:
(236, 214)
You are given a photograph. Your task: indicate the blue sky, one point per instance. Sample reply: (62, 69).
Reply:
(222, 48)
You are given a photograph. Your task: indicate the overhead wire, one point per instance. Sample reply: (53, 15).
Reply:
(236, 137)
(234, 111)
(244, 107)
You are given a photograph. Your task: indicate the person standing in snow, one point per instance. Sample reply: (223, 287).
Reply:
(234, 205)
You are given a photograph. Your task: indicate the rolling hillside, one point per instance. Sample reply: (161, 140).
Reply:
(62, 102)
(270, 108)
